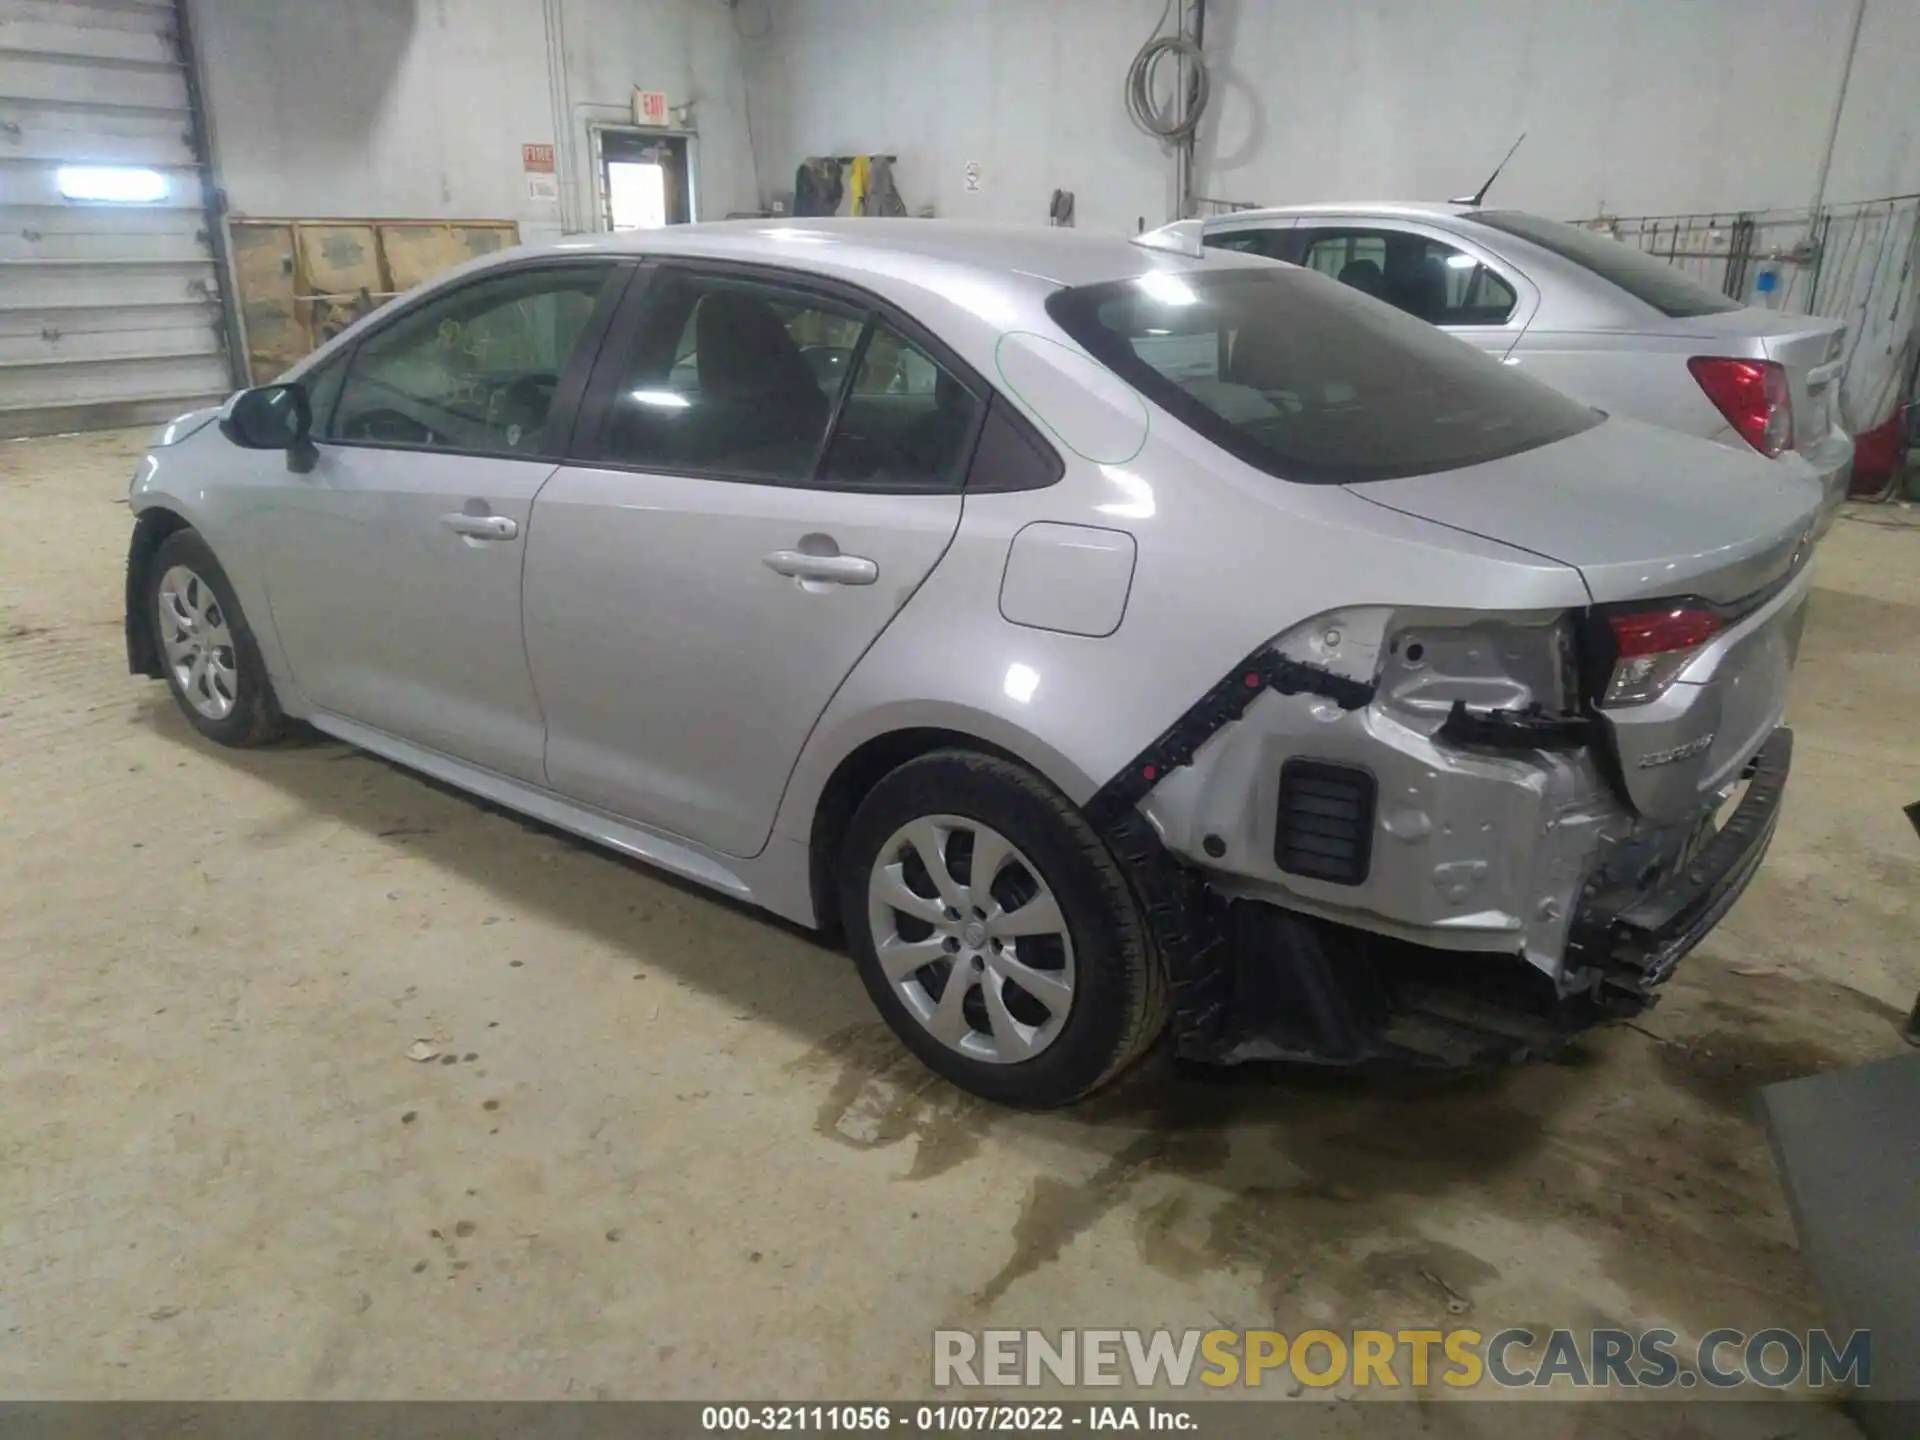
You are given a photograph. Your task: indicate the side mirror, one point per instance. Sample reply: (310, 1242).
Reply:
(272, 417)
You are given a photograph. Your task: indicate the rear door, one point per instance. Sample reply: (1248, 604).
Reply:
(767, 472)
(1441, 278)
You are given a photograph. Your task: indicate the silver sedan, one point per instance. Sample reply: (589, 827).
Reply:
(1105, 642)
(1608, 324)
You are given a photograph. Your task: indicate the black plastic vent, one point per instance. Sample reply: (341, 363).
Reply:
(1326, 822)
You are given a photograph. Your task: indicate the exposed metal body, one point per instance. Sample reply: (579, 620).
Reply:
(1598, 343)
(661, 663)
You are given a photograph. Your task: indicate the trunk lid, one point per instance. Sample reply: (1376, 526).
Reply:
(1647, 515)
(1640, 512)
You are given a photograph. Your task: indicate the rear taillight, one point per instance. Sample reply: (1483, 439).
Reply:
(1651, 647)
(1753, 395)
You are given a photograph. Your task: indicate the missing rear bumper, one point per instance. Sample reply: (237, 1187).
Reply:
(1634, 939)
(1284, 986)
(1254, 981)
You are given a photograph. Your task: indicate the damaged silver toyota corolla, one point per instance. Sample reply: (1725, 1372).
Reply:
(1099, 638)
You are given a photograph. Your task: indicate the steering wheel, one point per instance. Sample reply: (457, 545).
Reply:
(391, 427)
(521, 405)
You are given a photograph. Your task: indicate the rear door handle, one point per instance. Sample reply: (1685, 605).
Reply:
(481, 527)
(831, 569)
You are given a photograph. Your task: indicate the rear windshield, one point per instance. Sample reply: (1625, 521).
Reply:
(1308, 379)
(1641, 275)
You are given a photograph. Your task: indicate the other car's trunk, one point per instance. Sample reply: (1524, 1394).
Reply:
(1811, 350)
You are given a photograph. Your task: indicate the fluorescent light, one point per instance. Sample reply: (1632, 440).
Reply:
(1461, 262)
(1152, 331)
(660, 399)
(1167, 289)
(120, 184)
(1021, 682)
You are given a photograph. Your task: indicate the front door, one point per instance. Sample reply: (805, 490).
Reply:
(777, 473)
(394, 564)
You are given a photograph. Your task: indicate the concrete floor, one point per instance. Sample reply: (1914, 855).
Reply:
(670, 1150)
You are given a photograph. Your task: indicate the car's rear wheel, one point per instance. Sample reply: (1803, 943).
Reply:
(211, 662)
(995, 932)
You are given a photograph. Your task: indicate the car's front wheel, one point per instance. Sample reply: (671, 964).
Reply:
(995, 932)
(208, 652)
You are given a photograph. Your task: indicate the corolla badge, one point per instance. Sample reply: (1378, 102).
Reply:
(1677, 753)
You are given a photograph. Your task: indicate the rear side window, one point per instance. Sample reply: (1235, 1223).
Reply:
(1634, 271)
(732, 378)
(905, 423)
(1435, 282)
(1309, 380)
(1269, 242)
(743, 380)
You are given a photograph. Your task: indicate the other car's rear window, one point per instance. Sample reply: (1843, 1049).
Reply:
(1308, 379)
(1643, 276)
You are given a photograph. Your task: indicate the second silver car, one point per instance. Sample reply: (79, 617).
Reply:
(1607, 324)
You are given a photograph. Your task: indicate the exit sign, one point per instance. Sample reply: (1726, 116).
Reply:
(649, 107)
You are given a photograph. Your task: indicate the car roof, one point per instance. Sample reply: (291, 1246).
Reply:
(1411, 209)
(972, 282)
(1048, 254)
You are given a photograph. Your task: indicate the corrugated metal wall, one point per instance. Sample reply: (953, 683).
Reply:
(110, 313)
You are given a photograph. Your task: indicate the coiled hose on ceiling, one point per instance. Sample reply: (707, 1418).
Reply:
(1176, 122)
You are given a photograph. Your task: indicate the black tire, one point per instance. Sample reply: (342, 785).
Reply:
(1119, 1004)
(255, 718)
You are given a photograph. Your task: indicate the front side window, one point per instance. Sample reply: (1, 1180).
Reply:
(475, 370)
(323, 382)
(1426, 278)
(1308, 381)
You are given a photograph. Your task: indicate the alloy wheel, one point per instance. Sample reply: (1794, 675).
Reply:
(972, 938)
(198, 642)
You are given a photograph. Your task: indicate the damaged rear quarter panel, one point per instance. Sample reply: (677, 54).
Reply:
(1228, 558)
(1471, 850)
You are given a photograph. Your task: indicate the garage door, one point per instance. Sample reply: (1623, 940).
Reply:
(109, 301)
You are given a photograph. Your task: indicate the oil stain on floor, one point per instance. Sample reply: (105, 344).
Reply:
(1340, 1199)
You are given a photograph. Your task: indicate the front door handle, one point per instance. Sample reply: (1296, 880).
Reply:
(481, 527)
(829, 569)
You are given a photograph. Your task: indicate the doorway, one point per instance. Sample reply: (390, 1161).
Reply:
(645, 178)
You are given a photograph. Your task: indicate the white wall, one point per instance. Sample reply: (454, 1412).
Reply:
(418, 108)
(1631, 106)
(1878, 152)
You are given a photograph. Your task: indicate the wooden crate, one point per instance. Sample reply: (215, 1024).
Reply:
(303, 281)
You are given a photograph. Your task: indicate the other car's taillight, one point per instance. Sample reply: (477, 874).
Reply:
(1651, 647)
(1753, 395)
